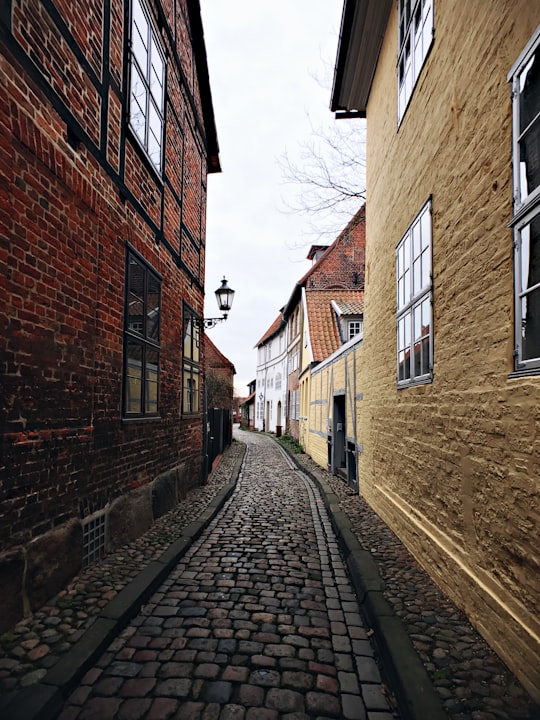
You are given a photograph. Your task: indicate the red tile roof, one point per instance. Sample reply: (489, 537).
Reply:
(323, 324)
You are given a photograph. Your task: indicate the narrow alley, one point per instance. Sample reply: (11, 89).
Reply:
(257, 622)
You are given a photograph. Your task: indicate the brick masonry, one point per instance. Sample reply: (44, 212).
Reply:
(453, 466)
(76, 187)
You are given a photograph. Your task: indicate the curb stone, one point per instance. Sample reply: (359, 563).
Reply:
(407, 676)
(44, 700)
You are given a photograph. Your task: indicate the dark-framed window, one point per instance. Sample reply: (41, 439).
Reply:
(414, 302)
(142, 319)
(191, 364)
(525, 78)
(147, 84)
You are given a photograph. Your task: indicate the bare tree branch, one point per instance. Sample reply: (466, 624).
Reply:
(330, 175)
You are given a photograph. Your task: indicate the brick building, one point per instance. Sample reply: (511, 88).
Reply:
(107, 135)
(450, 382)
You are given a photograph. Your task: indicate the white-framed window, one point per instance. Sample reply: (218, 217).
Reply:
(147, 84)
(278, 381)
(354, 328)
(414, 302)
(525, 78)
(415, 38)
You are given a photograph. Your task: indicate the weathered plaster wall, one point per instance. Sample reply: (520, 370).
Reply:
(453, 466)
(339, 375)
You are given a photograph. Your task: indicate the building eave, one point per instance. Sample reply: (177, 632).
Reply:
(363, 25)
(201, 63)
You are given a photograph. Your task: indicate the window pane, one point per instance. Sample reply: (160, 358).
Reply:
(137, 114)
(416, 239)
(136, 275)
(529, 92)
(139, 35)
(407, 286)
(188, 350)
(530, 277)
(426, 228)
(154, 137)
(426, 317)
(152, 308)
(418, 359)
(156, 76)
(426, 269)
(530, 254)
(152, 376)
(530, 325)
(417, 276)
(529, 160)
(134, 378)
(417, 322)
(195, 354)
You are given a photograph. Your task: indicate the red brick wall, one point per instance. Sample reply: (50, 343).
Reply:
(70, 199)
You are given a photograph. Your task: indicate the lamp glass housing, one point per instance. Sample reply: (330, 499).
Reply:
(224, 297)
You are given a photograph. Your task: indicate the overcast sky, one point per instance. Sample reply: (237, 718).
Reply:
(267, 61)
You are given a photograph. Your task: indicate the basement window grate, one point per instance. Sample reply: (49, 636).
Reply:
(94, 528)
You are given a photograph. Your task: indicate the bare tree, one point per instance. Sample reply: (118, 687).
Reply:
(330, 173)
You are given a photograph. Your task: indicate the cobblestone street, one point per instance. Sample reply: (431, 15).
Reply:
(259, 620)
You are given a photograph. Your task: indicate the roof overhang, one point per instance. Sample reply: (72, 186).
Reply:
(363, 24)
(201, 63)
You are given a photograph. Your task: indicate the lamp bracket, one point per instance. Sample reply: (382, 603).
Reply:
(207, 323)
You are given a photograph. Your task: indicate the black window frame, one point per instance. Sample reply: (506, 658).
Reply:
(141, 335)
(145, 75)
(191, 363)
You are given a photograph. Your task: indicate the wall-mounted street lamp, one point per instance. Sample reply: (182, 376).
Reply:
(224, 297)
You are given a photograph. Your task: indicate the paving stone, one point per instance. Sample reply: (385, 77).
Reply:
(134, 709)
(162, 709)
(284, 700)
(368, 670)
(374, 698)
(319, 703)
(217, 692)
(138, 687)
(250, 695)
(232, 712)
(174, 687)
(261, 714)
(100, 708)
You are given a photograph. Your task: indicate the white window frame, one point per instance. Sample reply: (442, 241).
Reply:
(354, 328)
(147, 84)
(526, 213)
(414, 307)
(415, 28)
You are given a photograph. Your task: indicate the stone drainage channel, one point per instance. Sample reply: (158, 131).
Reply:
(258, 621)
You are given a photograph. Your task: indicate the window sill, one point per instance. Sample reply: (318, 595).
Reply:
(530, 372)
(141, 418)
(414, 383)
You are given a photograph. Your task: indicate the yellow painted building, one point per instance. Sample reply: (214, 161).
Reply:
(450, 372)
(331, 411)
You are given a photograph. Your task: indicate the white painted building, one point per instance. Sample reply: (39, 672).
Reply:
(271, 392)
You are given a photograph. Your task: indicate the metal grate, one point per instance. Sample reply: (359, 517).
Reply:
(94, 536)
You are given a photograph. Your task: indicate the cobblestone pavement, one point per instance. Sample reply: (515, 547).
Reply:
(257, 622)
(471, 680)
(36, 644)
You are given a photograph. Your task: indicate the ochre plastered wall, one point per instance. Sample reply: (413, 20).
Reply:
(340, 375)
(453, 466)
